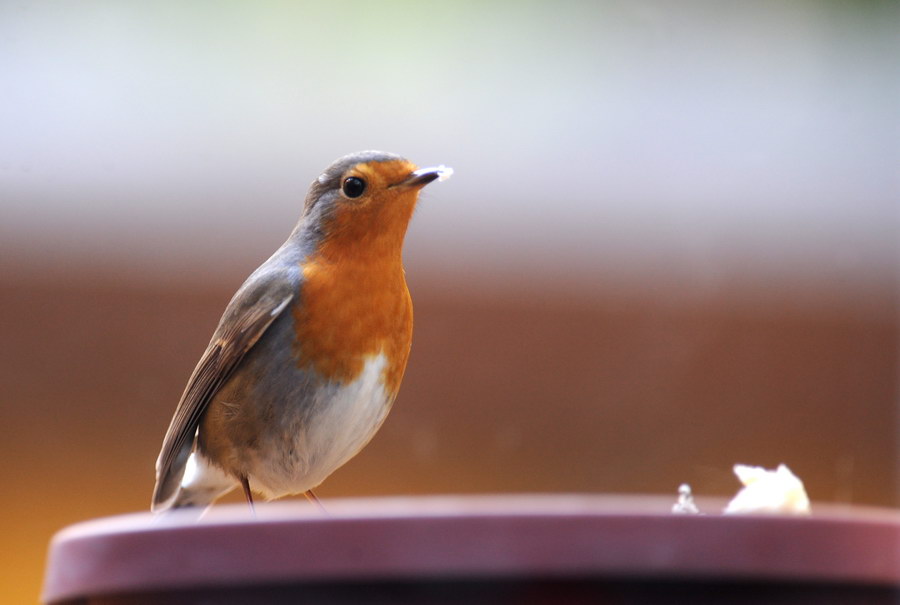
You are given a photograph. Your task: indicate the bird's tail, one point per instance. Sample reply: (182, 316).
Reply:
(201, 484)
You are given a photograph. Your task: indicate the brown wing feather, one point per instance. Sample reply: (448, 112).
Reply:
(215, 367)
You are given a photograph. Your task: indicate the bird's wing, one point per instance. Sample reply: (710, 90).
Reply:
(249, 314)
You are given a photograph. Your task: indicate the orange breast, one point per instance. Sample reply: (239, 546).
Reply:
(349, 313)
(354, 299)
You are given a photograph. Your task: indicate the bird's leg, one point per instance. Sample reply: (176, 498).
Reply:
(312, 498)
(245, 483)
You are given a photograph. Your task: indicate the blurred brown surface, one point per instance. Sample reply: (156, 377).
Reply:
(506, 391)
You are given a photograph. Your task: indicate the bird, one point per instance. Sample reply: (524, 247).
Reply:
(309, 354)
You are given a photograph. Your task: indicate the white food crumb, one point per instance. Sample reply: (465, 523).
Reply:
(685, 504)
(764, 491)
(445, 173)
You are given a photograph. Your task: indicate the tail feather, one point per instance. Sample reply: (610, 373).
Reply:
(169, 479)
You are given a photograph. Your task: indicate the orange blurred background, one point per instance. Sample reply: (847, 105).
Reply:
(670, 244)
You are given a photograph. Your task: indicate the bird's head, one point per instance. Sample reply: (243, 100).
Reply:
(367, 199)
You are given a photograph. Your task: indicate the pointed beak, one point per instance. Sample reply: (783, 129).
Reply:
(423, 176)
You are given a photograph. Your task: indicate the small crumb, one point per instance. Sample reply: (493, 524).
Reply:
(445, 172)
(764, 491)
(685, 504)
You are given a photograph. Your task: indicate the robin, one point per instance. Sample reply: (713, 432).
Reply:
(309, 354)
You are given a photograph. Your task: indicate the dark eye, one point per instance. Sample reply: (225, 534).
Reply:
(353, 186)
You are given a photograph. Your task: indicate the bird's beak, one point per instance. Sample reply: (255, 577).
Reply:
(423, 176)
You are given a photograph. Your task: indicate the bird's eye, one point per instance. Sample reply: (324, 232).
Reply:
(353, 186)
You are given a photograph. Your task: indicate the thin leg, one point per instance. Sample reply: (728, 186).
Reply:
(312, 498)
(245, 483)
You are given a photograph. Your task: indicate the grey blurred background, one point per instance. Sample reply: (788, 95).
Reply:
(671, 243)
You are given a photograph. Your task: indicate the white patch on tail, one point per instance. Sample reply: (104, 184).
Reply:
(202, 483)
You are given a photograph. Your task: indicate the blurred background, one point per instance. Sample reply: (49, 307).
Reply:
(671, 243)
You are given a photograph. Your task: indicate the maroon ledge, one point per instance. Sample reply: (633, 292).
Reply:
(508, 546)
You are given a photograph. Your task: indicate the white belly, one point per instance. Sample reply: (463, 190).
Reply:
(346, 417)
